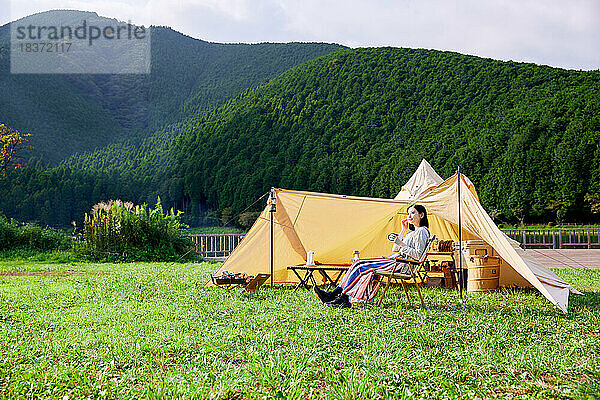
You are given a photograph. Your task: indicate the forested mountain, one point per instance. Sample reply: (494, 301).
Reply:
(72, 113)
(358, 122)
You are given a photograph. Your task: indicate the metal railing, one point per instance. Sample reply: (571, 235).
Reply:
(220, 245)
(216, 245)
(556, 238)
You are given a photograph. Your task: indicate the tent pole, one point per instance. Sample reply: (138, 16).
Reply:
(460, 269)
(272, 212)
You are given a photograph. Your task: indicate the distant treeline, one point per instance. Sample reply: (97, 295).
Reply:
(359, 122)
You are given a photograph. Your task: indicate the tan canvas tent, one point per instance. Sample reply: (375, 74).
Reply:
(334, 225)
(424, 179)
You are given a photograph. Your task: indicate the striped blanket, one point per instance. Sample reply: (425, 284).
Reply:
(359, 281)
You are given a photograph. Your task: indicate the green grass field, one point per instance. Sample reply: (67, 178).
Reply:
(151, 330)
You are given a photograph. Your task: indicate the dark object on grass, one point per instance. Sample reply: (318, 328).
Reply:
(435, 281)
(341, 301)
(256, 282)
(231, 280)
(326, 297)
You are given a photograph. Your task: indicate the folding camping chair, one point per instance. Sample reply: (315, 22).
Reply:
(255, 283)
(415, 274)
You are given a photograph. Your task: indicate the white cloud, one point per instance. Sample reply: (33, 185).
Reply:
(556, 32)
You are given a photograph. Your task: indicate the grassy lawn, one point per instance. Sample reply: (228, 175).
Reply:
(76, 330)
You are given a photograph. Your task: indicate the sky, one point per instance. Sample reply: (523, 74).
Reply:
(560, 33)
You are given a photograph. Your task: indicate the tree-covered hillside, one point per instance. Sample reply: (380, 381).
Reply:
(358, 122)
(72, 113)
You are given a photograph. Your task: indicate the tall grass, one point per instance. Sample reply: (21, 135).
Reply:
(17, 235)
(119, 230)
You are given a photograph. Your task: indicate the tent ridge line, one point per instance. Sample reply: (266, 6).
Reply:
(341, 196)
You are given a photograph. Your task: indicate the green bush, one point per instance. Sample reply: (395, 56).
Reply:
(17, 235)
(121, 231)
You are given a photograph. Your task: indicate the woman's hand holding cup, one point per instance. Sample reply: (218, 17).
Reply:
(405, 223)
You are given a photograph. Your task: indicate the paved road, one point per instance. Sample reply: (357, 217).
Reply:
(567, 258)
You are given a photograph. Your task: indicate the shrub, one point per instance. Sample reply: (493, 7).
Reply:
(122, 231)
(17, 235)
(246, 220)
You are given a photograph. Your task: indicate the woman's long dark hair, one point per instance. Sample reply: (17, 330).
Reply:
(421, 210)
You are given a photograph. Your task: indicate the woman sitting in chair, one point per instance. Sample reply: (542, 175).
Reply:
(359, 283)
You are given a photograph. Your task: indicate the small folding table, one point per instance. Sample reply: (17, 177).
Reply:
(336, 270)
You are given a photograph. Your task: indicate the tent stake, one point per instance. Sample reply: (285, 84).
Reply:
(460, 269)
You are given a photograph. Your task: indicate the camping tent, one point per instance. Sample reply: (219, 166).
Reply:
(421, 181)
(334, 225)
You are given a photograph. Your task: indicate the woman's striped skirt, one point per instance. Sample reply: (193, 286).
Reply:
(360, 283)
